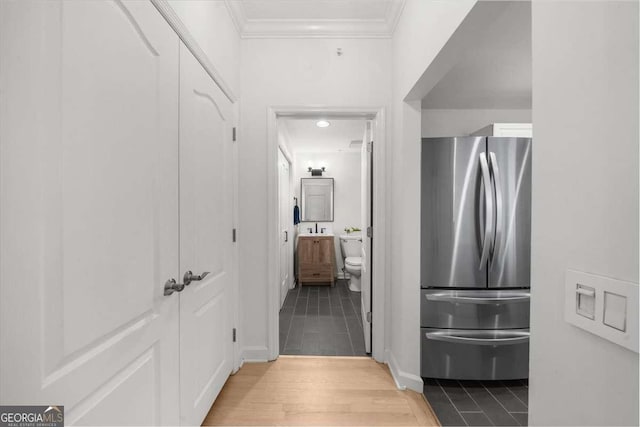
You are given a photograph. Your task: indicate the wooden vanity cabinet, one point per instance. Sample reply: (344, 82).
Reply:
(316, 259)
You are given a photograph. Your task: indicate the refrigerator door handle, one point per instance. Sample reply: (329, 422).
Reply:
(497, 183)
(519, 338)
(488, 219)
(478, 300)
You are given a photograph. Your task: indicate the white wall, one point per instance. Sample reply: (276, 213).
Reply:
(290, 72)
(344, 167)
(585, 203)
(212, 27)
(465, 122)
(423, 29)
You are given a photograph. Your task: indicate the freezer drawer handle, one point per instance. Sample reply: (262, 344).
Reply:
(439, 336)
(477, 300)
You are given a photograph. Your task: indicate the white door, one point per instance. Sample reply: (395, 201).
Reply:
(285, 219)
(366, 205)
(89, 210)
(206, 245)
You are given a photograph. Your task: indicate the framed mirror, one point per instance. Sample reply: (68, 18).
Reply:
(317, 199)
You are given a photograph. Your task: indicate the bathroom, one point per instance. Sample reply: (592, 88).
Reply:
(323, 170)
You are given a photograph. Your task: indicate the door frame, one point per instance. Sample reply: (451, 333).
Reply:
(379, 291)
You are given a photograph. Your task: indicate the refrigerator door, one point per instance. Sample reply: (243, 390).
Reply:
(454, 208)
(510, 165)
(459, 354)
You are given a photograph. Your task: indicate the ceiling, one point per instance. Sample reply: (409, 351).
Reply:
(303, 136)
(315, 18)
(494, 71)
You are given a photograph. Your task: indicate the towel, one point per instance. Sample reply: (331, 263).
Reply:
(296, 215)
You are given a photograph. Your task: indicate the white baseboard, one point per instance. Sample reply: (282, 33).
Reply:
(255, 354)
(403, 380)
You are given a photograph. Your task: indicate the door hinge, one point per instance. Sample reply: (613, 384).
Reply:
(370, 146)
(370, 232)
(233, 235)
(234, 334)
(234, 135)
(368, 317)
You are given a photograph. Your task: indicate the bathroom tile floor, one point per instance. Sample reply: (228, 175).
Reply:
(319, 320)
(478, 403)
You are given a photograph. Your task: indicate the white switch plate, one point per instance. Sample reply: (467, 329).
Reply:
(619, 323)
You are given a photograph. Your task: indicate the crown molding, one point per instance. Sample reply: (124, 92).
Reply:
(393, 15)
(315, 28)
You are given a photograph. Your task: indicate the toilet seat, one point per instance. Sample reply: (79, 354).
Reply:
(353, 261)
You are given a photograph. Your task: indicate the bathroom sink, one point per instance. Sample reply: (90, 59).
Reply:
(307, 234)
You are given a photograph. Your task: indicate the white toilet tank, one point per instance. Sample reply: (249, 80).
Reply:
(351, 245)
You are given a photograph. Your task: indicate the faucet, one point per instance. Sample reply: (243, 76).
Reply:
(316, 228)
(310, 230)
(322, 230)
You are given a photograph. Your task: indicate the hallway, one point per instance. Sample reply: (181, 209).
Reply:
(329, 391)
(471, 166)
(321, 320)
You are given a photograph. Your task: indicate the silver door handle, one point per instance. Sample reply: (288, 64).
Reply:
(521, 338)
(497, 183)
(488, 220)
(190, 277)
(172, 286)
(477, 300)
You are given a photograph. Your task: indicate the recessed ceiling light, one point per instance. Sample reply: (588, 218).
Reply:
(322, 123)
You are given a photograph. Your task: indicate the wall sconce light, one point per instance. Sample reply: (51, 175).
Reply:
(316, 172)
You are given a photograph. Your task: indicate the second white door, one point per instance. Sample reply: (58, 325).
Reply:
(366, 201)
(284, 198)
(206, 245)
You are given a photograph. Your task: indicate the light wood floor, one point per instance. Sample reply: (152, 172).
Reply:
(317, 391)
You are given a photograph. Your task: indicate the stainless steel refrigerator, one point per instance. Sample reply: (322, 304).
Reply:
(475, 257)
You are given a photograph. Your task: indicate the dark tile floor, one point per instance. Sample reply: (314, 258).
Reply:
(321, 320)
(478, 403)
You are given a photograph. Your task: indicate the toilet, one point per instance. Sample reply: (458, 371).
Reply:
(351, 245)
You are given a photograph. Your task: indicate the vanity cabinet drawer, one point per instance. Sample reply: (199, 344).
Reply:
(316, 271)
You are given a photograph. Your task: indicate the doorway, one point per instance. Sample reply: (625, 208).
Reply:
(325, 204)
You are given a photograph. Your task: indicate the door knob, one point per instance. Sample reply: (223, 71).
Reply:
(171, 286)
(190, 277)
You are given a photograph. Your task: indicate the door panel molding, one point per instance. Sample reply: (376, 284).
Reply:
(118, 339)
(98, 397)
(189, 41)
(136, 27)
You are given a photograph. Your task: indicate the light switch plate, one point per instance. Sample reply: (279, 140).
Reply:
(615, 310)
